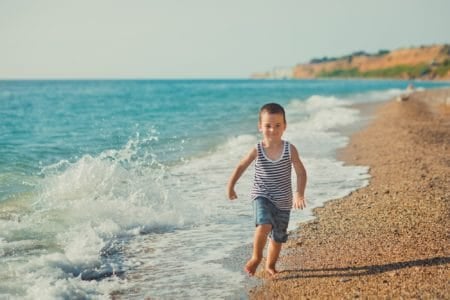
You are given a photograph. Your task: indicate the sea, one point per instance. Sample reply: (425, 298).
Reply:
(116, 189)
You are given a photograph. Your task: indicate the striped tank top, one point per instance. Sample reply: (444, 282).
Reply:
(273, 177)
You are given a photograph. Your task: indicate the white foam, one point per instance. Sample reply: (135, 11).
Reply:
(375, 96)
(84, 204)
(311, 124)
(320, 113)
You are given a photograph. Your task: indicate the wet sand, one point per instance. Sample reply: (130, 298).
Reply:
(390, 239)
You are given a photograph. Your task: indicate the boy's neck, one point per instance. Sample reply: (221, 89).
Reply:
(271, 144)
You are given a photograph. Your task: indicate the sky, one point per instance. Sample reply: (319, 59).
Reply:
(170, 39)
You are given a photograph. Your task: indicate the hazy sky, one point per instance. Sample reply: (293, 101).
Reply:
(202, 38)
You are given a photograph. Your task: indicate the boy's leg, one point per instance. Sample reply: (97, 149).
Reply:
(259, 242)
(272, 256)
(279, 236)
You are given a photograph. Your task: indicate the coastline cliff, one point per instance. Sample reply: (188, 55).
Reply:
(425, 62)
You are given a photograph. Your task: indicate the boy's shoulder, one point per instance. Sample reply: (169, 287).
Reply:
(290, 144)
(293, 148)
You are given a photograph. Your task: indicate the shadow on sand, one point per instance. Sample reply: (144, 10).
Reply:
(363, 270)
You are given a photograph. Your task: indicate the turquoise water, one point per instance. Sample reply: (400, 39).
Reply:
(118, 187)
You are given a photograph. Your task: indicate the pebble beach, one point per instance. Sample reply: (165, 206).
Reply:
(390, 239)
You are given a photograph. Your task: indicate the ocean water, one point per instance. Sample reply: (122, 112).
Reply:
(117, 188)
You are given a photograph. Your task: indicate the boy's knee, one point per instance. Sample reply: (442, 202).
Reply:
(265, 228)
(275, 243)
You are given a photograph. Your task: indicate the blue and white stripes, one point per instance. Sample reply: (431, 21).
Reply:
(273, 177)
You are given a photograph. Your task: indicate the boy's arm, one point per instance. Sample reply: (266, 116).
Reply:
(300, 172)
(238, 171)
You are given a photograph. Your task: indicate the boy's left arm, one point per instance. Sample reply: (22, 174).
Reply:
(300, 172)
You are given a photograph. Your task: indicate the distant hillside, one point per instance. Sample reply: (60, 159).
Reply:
(426, 62)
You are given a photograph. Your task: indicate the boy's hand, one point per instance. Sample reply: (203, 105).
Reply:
(231, 194)
(299, 201)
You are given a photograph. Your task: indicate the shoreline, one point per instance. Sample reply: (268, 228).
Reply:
(390, 238)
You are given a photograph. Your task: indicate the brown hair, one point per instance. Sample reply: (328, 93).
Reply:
(272, 108)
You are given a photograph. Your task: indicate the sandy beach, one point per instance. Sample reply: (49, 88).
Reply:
(390, 239)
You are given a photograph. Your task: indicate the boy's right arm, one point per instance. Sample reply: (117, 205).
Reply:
(238, 171)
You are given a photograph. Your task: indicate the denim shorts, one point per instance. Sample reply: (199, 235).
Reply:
(267, 213)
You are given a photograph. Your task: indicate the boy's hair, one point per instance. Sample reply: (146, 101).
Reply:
(272, 108)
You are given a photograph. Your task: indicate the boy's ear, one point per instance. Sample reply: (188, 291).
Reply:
(259, 126)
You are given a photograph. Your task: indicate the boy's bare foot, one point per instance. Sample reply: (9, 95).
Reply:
(271, 271)
(251, 266)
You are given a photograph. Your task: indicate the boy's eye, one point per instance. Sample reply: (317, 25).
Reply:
(274, 126)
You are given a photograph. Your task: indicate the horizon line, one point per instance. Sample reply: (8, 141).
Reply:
(119, 78)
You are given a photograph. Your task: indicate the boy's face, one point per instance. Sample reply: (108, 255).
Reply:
(272, 126)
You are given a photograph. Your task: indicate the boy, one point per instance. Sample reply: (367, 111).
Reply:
(272, 187)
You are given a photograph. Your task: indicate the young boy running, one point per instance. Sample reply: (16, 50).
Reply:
(272, 187)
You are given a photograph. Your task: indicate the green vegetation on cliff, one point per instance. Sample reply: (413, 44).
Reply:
(444, 68)
(400, 71)
(380, 52)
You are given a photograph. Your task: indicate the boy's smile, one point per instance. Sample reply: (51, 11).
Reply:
(272, 126)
